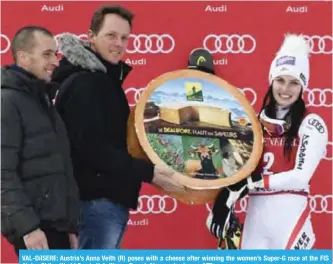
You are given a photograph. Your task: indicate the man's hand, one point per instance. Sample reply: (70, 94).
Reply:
(36, 240)
(73, 241)
(163, 177)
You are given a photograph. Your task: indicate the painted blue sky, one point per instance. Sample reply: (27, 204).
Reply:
(174, 91)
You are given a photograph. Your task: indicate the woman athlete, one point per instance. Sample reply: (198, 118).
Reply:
(278, 213)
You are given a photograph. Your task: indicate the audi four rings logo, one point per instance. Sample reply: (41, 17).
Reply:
(133, 95)
(143, 43)
(320, 44)
(152, 43)
(156, 204)
(5, 43)
(318, 204)
(317, 97)
(321, 204)
(229, 43)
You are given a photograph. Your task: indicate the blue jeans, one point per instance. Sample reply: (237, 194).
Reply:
(103, 224)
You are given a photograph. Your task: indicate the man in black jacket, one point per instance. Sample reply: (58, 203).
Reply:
(39, 197)
(95, 110)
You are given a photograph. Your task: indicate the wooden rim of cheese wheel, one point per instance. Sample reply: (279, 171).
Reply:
(190, 182)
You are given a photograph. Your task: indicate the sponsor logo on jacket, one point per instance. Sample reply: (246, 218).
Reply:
(301, 156)
(302, 242)
(317, 125)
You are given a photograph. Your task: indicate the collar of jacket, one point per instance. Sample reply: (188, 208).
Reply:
(120, 70)
(15, 77)
(78, 53)
(17, 68)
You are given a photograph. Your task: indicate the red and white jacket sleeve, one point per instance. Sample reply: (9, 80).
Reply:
(313, 137)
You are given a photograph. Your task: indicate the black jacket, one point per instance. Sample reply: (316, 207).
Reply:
(95, 110)
(37, 184)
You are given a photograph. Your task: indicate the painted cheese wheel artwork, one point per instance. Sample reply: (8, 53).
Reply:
(200, 126)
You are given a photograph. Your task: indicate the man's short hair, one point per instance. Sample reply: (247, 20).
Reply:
(98, 17)
(24, 39)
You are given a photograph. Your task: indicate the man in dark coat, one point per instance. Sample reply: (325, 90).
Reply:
(39, 196)
(95, 110)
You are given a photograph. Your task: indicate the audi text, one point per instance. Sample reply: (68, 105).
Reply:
(222, 8)
(220, 62)
(294, 9)
(49, 8)
(143, 222)
(136, 62)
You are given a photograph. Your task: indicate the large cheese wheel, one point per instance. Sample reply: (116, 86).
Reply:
(200, 126)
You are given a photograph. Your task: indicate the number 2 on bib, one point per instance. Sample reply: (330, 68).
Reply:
(268, 158)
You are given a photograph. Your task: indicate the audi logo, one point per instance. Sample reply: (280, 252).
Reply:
(318, 204)
(229, 43)
(317, 97)
(315, 123)
(321, 204)
(320, 44)
(328, 151)
(4, 47)
(153, 43)
(143, 43)
(155, 204)
(247, 91)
